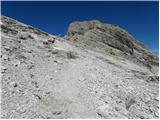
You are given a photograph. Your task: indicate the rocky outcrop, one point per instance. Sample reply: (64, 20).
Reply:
(109, 38)
(10, 25)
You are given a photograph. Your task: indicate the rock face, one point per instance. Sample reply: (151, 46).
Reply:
(112, 39)
(86, 74)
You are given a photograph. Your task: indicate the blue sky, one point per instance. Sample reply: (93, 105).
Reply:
(140, 19)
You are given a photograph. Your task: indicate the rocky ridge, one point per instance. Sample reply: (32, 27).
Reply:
(110, 39)
(86, 74)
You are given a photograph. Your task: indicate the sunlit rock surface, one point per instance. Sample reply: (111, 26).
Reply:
(96, 71)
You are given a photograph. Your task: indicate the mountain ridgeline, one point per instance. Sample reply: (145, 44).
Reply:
(110, 39)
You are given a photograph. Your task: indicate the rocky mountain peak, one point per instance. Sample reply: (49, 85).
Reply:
(111, 38)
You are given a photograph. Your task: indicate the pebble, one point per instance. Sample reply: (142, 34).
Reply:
(14, 84)
(16, 63)
(5, 57)
(57, 112)
(3, 69)
(146, 98)
(157, 98)
(7, 48)
(156, 114)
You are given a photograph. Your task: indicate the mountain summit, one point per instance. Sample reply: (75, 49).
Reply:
(96, 71)
(111, 39)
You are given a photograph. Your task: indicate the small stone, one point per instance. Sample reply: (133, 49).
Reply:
(16, 63)
(21, 109)
(35, 84)
(37, 96)
(101, 111)
(51, 40)
(99, 114)
(153, 79)
(57, 112)
(14, 84)
(3, 69)
(55, 61)
(117, 109)
(71, 55)
(30, 66)
(157, 98)
(5, 57)
(31, 75)
(143, 115)
(7, 48)
(129, 102)
(156, 114)
(21, 91)
(45, 43)
(48, 92)
(146, 98)
(23, 37)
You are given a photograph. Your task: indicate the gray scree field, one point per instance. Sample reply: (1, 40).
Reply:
(95, 71)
